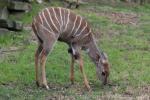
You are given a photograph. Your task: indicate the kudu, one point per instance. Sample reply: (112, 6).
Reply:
(52, 24)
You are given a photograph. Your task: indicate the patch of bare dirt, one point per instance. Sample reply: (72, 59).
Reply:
(117, 17)
(32, 37)
(9, 52)
(58, 91)
(9, 85)
(129, 93)
(70, 92)
(121, 18)
(59, 97)
(143, 90)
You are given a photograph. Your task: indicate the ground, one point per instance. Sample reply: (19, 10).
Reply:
(122, 31)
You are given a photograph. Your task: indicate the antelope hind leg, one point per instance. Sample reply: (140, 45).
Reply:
(47, 47)
(72, 69)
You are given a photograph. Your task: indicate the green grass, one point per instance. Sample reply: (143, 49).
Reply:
(127, 47)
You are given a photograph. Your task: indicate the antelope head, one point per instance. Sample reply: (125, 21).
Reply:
(102, 67)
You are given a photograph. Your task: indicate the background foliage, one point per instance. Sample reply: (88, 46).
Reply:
(122, 32)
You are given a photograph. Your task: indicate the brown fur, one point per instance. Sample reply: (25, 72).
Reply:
(76, 40)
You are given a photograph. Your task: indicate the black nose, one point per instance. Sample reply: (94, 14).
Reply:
(103, 73)
(70, 51)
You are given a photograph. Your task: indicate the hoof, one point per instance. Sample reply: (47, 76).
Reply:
(77, 6)
(88, 88)
(37, 83)
(72, 82)
(45, 86)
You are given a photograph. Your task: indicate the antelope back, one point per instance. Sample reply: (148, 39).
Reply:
(63, 22)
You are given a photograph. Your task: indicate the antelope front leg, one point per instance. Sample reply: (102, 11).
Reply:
(84, 75)
(72, 69)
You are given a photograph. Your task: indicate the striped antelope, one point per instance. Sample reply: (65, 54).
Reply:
(61, 24)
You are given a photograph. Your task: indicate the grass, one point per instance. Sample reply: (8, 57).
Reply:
(127, 47)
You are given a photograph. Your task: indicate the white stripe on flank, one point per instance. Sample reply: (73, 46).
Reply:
(74, 24)
(48, 30)
(64, 18)
(47, 21)
(87, 34)
(51, 19)
(78, 26)
(61, 17)
(73, 50)
(56, 16)
(82, 29)
(41, 18)
(67, 20)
